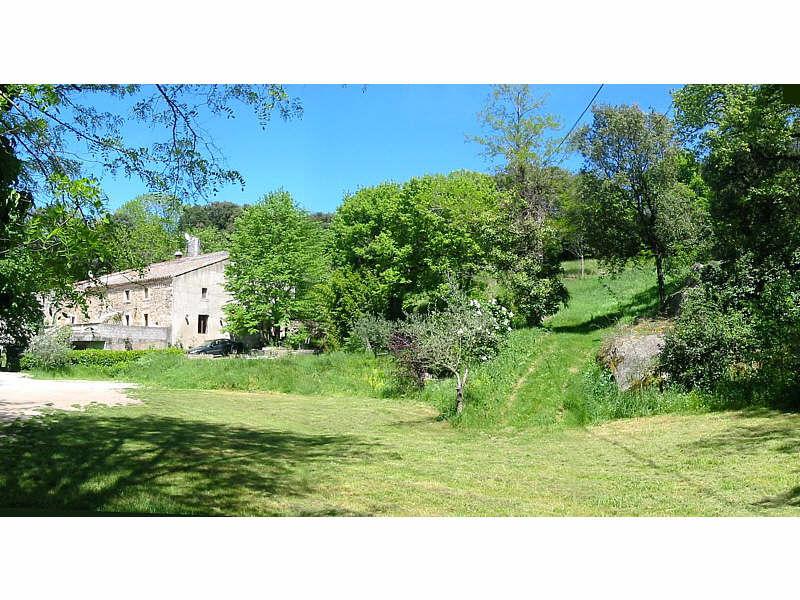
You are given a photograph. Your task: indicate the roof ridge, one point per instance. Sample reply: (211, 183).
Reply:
(165, 269)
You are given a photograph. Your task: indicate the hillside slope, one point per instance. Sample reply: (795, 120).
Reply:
(547, 376)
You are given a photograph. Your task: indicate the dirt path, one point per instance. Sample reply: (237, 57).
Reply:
(21, 396)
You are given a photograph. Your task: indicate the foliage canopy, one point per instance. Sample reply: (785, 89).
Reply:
(277, 262)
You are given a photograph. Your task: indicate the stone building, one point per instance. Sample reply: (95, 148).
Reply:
(172, 303)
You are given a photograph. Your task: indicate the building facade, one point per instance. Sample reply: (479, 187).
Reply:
(177, 302)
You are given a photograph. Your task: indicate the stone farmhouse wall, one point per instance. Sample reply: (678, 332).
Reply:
(122, 315)
(189, 304)
(149, 301)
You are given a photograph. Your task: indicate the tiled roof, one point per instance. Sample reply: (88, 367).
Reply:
(160, 270)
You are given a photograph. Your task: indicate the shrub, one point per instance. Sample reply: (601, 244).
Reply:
(48, 349)
(739, 330)
(709, 345)
(371, 333)
(51, 355)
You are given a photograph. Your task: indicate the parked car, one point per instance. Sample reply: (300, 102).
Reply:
(221, 347)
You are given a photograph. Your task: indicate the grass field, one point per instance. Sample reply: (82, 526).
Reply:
(234, 453)
(544, 433)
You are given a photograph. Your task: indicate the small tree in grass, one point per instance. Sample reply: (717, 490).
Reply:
(451, 340)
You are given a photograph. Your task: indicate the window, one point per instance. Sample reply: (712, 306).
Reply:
(146, 293)
(204, 293)
(72, 320)
(127, 295)
(202, 323)
(127, 320)
(146, 319)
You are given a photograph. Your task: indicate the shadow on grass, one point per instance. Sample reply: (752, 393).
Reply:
(85, 463)
(643, 304)
(781, 435)
(789, 498)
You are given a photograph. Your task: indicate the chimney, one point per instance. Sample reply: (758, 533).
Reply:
(192, 245)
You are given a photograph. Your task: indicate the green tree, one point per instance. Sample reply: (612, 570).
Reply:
(394, 246)
(146, 231)
(218, 215)
(212, 223)
(746, 137)
(55, 145)
(741, 323)
(516, 132)
(277, 263)
(573, 222)
(629, 185)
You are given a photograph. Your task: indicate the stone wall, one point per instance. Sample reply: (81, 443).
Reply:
(189, 304)
(119, 337)
(112, 305)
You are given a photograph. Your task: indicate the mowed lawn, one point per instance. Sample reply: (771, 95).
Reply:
(241, 453)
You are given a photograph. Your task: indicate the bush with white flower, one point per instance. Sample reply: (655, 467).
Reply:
(451, 340)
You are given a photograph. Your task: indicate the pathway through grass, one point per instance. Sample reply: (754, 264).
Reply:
(539, 378)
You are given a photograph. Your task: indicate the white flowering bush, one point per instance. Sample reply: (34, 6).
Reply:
(451, 340)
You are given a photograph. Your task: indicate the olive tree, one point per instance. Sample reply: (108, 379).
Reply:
(451, 340)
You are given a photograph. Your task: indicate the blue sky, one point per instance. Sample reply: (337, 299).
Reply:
(350, 137)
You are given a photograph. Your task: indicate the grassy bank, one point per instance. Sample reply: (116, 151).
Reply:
(235, 453)
(548, 377)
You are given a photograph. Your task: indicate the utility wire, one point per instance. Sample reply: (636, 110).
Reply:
(578, 120)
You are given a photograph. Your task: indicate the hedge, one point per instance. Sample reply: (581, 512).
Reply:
(108, 358)
(98, 358)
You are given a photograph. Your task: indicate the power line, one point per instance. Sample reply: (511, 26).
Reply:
(578, 120)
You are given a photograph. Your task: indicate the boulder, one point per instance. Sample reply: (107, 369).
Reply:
(632, 356)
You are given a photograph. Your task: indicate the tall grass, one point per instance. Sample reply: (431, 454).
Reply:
(596, 398)
(332, 374)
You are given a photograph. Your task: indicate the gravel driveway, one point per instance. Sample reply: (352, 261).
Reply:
(21, 396)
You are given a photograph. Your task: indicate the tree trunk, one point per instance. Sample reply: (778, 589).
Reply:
(661, 289)
(13, 355)
(459, 399)
(582, 269)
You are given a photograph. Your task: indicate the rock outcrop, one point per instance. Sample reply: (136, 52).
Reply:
(632, 354)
